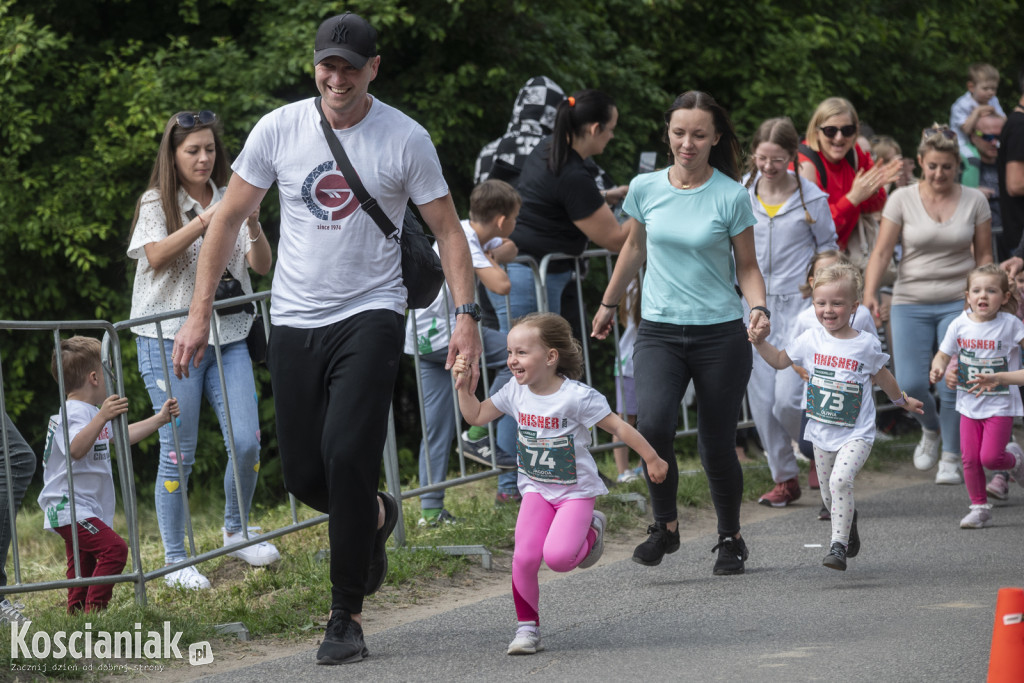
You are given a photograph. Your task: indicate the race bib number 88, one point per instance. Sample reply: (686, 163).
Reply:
(968, 367)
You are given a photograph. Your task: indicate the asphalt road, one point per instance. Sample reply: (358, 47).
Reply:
(917, 604)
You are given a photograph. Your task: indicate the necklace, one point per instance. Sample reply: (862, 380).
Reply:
(688, 186)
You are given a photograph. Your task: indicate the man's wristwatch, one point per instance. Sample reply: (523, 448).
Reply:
(472, 310)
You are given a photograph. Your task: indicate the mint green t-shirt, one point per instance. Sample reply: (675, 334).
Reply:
(690, 268)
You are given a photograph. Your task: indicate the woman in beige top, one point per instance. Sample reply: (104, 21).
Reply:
(946, 230)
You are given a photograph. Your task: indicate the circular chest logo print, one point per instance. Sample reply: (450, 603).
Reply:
(327, 195)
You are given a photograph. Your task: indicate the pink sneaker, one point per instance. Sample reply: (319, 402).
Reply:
(998, 488)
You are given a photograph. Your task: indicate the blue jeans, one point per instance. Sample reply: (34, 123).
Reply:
(241, 399)
(522, 299)
(23, 465)
(439, 409)
(917, 331)
(718, 359)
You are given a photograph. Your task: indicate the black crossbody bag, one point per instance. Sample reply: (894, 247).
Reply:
(421, 267)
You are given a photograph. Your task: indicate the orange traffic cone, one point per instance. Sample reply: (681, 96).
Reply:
(1006, 663)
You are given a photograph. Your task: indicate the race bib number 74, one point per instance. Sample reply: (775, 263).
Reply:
(548, 461)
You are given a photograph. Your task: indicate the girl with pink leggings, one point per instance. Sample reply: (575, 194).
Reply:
(986, 340)
(557, 475)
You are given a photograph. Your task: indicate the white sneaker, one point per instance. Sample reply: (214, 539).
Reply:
(187, 577)
(626, 477)
(1017, 471)
(527, 640)
(598, 524)
(926, 453)
(10, 613)
(258, 555)
(978, 518)
(949, 470)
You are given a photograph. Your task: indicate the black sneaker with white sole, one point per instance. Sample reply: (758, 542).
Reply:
(660, 541)
(480, 451)
(732, 553)
(836, 558)
(343, 641)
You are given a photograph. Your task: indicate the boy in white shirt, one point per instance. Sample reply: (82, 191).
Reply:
(101, 551)
(493, 207)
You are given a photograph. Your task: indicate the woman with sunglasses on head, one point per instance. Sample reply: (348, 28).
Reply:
(793, 224)
(946, 231)
(837, 165)
(691, 223)
(171, 217)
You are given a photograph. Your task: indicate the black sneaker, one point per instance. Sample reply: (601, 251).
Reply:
(343, 641)
(479, 450)
(732, 553)
(824, 514)
(379, 558)
(854, 547)
(659, 542)
(836, 558)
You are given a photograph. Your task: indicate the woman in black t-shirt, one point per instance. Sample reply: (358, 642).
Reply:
(562, 207)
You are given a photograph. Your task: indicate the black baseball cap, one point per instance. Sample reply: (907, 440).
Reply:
(348, 36)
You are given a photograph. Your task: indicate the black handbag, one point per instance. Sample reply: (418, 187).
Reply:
(421, 266)
(228, 288)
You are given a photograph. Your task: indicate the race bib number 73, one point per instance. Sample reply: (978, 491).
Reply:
(833, 402)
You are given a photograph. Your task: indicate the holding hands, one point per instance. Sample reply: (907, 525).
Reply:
(759, 328)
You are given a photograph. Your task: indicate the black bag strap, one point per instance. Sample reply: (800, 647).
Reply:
(368, 203)
(815, 158)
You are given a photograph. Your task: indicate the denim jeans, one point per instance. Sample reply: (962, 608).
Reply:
(241, 399)
(522, 299)
(917, 331)
(439, 409)
(718, 359)
(23, 465)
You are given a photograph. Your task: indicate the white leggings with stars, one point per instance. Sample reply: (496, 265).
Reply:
(838, 468)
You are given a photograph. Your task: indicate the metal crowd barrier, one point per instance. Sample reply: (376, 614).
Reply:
(114, 378)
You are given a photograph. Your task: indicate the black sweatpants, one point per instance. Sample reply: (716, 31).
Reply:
(333, 387)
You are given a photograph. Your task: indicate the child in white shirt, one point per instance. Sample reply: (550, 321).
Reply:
(558, 477)
(101, 551)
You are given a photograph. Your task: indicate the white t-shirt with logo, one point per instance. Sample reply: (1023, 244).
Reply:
(333, 261)
(94, 481)
(434, 324)
(840, 405)
(552, 438)
(992, 346)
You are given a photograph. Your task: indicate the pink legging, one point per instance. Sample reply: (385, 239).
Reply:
(559, 534)
(983, 444)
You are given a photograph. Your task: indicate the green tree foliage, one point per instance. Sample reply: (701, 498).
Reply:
(87, 86)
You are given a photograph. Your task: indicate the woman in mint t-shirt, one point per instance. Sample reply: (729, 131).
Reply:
(692, 223)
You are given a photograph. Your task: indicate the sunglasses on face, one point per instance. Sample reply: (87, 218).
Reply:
(189, 120)
(831, 131)
(944, 131)
(987, 137)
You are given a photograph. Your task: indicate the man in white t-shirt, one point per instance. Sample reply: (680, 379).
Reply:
(338, 300)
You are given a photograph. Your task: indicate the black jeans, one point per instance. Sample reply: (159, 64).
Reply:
(332, 393)
(718, 359)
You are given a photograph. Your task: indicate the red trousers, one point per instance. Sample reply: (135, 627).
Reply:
(101, 553)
